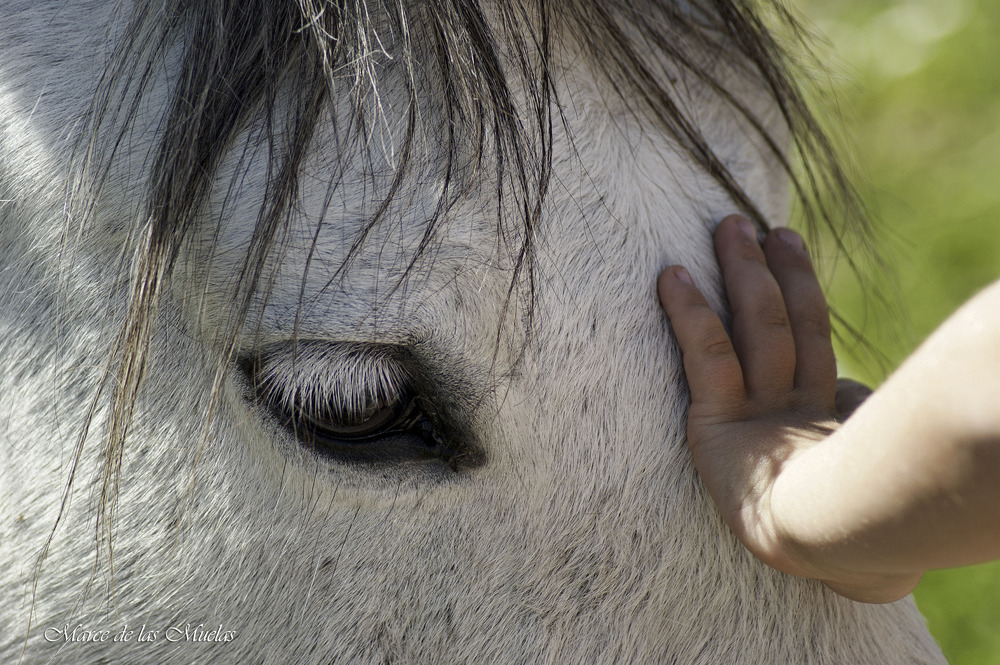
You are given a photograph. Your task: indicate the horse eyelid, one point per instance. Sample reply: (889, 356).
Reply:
(345, 376)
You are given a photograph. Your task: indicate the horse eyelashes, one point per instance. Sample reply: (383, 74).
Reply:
(350, 403)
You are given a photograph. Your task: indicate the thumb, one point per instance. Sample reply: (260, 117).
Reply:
(850, 395)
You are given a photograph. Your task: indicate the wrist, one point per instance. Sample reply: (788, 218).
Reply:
(811, 538)
(806, 536)
(789, 552)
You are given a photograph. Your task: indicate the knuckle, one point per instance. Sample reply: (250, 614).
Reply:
(762, 305)
(814, 322)
(716, 346)
(771, 315)
(703, 319)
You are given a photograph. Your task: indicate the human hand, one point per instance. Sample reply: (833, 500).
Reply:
(764, 397)
(850, 395)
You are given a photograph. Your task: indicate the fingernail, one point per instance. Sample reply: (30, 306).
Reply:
(682, 274)
(790, 238)
(747, 228)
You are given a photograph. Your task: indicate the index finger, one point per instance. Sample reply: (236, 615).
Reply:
(710, 362)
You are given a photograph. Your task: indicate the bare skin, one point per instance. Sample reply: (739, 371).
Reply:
(910, 482)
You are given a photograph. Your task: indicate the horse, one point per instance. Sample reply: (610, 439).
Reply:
(330, 331)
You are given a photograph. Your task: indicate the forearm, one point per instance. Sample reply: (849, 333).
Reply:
(912, 480)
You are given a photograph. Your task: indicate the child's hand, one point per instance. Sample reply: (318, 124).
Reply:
(760, 400)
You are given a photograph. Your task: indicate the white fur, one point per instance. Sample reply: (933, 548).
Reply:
(585, 537)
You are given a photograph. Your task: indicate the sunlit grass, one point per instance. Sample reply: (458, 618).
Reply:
(918, 82)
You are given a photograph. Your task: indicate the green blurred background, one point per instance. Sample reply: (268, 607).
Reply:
(918, 85)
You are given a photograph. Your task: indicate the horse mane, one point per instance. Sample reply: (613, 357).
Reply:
(279, 65)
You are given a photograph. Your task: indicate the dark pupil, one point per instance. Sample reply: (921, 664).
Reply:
(376, 417)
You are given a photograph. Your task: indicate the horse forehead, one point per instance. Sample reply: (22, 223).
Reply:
(624, 202)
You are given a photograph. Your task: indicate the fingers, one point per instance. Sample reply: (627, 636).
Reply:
(781, 327)
(762, 332)
(850, 395)
(712, 367)
(808, 314)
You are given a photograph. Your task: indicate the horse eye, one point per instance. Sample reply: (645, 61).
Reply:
(333, 423)
(347, 404)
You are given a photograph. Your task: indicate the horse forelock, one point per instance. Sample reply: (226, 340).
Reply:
(285, 67)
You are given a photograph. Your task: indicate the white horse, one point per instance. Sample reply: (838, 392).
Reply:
(329, 333)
